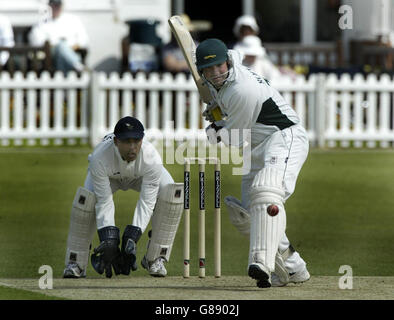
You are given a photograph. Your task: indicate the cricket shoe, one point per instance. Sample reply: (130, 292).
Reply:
(155, 268)
(73, 270)
(296, 277)
(260, 273)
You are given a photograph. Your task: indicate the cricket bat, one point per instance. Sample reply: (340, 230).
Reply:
(188, 47)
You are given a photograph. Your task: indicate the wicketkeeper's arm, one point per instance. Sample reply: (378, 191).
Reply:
(105, 208)
(148, 196)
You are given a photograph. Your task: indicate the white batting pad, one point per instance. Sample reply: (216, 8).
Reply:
(165, 221)
(239, 216)
(266, 230)
(82, 228)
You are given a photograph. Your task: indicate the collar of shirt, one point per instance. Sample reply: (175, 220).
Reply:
(235, 58)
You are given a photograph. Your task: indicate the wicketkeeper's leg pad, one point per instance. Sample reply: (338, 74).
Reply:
(165, 221)
(239, 216)
(268, 216)
(82, 228)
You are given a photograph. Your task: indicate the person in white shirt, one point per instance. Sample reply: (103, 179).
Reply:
(279, 147)
(123, 160)
(65, 33)
(256, 58)
(6, 38)
(245, 25)
(246, 31)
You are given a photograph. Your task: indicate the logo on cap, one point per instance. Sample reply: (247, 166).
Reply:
(129, 126)
(210, 56)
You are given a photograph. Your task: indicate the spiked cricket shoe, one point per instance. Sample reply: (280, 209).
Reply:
(260, 273)
(72, 270)
(155, 268)
(296, 277)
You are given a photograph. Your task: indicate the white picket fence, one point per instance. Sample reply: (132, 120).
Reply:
(336, 112)
(169, 107)
(38, 109)
(359, 111)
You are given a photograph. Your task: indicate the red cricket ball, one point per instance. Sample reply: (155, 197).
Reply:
(273, 210)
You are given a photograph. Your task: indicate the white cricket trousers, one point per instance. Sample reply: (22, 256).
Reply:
(285, 150)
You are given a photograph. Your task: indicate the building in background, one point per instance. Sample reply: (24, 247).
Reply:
(296, 22)
(105, 22)
(294, 26)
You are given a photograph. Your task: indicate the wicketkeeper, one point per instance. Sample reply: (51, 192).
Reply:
(279, 148)
(122, 161)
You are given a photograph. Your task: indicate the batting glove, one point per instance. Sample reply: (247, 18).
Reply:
(212, 133)
(207, 113)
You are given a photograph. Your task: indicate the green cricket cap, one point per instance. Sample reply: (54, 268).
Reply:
(210, 52)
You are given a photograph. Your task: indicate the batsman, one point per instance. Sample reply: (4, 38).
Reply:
(123, 161)
(279, 148)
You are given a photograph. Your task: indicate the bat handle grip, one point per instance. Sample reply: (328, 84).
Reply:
(217, 114)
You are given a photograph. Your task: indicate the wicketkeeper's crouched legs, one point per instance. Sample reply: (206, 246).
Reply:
(165, 221)
(81, 232)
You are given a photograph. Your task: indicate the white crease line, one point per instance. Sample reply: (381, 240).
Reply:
(8, 285)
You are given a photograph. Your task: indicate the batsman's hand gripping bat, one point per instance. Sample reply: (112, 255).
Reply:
(186, 43)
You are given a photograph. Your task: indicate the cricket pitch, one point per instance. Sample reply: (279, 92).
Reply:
(210, 288)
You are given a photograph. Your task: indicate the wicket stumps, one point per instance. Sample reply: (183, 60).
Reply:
(201, 217)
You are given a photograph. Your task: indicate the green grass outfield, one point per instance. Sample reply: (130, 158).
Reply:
(341, 213)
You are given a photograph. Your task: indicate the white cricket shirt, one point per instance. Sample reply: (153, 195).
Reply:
(249, 102)
(106, 166)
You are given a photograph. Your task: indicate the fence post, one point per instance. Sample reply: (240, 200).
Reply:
(320, 110)
(5, 108)
(93, 110)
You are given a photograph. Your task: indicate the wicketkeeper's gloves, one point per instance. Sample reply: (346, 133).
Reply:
(130, 238)
(107, 254)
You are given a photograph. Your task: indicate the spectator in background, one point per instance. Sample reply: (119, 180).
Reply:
(66, 34)
(256, 58)
(6, 38)
(144, 45)
(172, 56)
(245, 26)
(173, 60)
